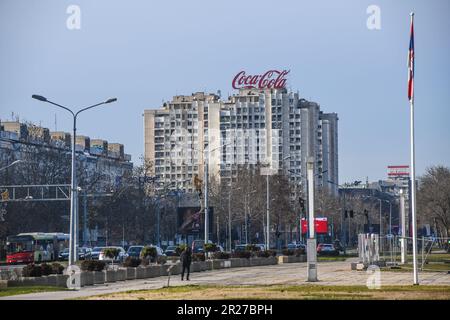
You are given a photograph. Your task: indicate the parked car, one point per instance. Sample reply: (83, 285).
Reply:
(134, 251)
(240, 247)
(262, 246)
(327, 249)
(96, 252)
(295, 246)
(119, 258)
(83, 254)
(171, 251)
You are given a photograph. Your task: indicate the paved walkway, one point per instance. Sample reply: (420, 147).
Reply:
(329, 273)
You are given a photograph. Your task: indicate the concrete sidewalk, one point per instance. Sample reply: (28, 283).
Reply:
(329, 273)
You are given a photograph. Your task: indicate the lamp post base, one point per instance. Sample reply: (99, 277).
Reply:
(311, 255)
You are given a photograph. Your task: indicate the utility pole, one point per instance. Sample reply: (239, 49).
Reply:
(311, 242)
(403, 240)
(267, 215)
(206, 160)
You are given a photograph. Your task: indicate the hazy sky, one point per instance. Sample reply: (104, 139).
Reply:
(143, 52)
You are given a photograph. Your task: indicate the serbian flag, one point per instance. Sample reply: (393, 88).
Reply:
(411, 63)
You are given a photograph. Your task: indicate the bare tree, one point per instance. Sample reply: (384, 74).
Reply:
(434, 198)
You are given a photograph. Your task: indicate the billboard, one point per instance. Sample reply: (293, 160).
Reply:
(320, 224)
(190, 220)
(398, 171)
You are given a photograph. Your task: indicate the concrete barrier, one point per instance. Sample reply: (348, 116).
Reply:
(3, 284)
(99, 277)
(291, 259)
(121, 275)
(158, 270)
(110, 275)
(130, 273)
(141, 272)
(87, 278)
(195, 267)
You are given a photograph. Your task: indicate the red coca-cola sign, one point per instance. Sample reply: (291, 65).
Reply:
(272, 79)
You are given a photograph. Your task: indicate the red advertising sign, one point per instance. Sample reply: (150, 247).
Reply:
(272, 79)
(320, 224)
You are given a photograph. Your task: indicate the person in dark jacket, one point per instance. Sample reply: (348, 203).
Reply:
(186, 258)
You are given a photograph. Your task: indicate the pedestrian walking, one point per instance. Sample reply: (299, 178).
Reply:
(186, 258)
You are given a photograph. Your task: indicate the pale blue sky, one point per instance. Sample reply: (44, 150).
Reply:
(145, 51)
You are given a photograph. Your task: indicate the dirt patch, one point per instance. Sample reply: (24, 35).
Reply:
(283, 292)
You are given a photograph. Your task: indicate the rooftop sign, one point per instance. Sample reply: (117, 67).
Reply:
(272, 79)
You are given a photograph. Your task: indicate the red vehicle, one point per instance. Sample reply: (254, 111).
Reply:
(327, 249)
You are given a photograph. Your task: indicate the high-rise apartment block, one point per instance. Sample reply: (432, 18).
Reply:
(255, 127)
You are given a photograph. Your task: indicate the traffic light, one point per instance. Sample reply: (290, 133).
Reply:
(302, 204)
(351, 213)
(345, 214)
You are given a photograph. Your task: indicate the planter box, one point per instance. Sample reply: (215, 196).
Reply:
(176, 268)
(141, 272)
(61, 280)
(291, 259)
(236, 262)
(195, 267)
(156, 271)
(255, 262)
(130, 273)
(110, 275)
(87, 278)
(99, 277)
(209, 265)
(121, 274)
(3, 284)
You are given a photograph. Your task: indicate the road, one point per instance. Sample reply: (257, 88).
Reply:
(329, 273)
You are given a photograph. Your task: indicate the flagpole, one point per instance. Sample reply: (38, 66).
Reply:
(413, 180)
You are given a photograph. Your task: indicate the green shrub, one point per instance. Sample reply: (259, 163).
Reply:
(266, 253)
(145, 262)
(221, 255)
(57, 268)
(46, 269)
(180, 249)
(210, 247)
(242, 254)
(31, 270)
(161, 260)
(288, 252)
(252, 247)
(149, 252)
(200, 256)
(131, 262)
(111, 253)
(93, 265)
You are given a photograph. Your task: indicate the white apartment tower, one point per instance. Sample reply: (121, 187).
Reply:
(253, 127)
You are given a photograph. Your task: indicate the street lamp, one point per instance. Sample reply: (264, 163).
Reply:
(73, 252)
(246, 201)
(206, 177)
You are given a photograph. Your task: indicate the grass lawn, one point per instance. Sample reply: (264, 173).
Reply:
(284, 292)
(12, 291)
(430, 267)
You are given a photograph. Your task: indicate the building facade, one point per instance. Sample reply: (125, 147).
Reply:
(17, 139)
(254, 127)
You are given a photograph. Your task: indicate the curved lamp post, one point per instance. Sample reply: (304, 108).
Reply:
(73, 252)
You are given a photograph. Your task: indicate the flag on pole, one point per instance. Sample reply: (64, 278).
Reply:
(411, 64)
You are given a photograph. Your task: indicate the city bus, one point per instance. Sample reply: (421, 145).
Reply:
(35, 247)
